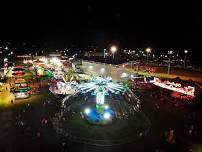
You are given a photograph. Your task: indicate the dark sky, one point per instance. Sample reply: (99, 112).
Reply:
(41, 21)
(162, 24)
(165, 25)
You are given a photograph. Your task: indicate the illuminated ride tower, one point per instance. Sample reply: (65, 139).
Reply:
(100, 99)
(102, 113)
(21, 89)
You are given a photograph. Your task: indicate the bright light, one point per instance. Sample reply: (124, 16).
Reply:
(87, 111)
(56, 61)
(148, 50)
(123, 75)
(5, 59)
(106, 115)
(99, 85)
(45, 60)
(113, 49)
(170, 52)
(185, 51)
(6, 48)
(90, 67)
(102, 70)
(25, 61)
(106, 106)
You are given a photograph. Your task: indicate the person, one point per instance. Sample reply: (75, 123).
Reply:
(11, 101)
(190, 150)
(44, 103)
(140, 134)
(170, 138)
(82, 116)
(44, 121)
(38, 134)
(63, 147)
(157, 106)
(151, 94)
(191, 129)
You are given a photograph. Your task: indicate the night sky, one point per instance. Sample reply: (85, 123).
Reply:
(162, 26)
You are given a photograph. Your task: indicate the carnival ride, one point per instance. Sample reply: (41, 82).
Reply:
(60, 86)
(21, 88)
(98, 102)
(100, 87)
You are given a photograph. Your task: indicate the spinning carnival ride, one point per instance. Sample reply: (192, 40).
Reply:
(101, 113)
(101, 102)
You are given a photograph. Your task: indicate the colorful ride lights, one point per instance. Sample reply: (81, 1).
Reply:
(106, 106)
(106, 115)
(87, 111)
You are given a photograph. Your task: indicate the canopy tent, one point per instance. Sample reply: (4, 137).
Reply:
(178, 80)
(184, 83)
(190, 82)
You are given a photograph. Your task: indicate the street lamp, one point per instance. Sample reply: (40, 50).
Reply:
(169, 55)
(148, 50)
(185, 56)
(104, 52)
(113, 50)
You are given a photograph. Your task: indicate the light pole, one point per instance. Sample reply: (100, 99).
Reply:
(113, 50)
(169, 55)
(185, 56)
(148, 50)
(104, 52)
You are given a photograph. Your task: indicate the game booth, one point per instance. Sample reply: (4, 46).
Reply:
(21, 90)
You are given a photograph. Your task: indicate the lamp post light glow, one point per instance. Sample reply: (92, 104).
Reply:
(113, 50)
(148, 50)
(90, 67)
(185, 56)
(102, 70)
(169, 55)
